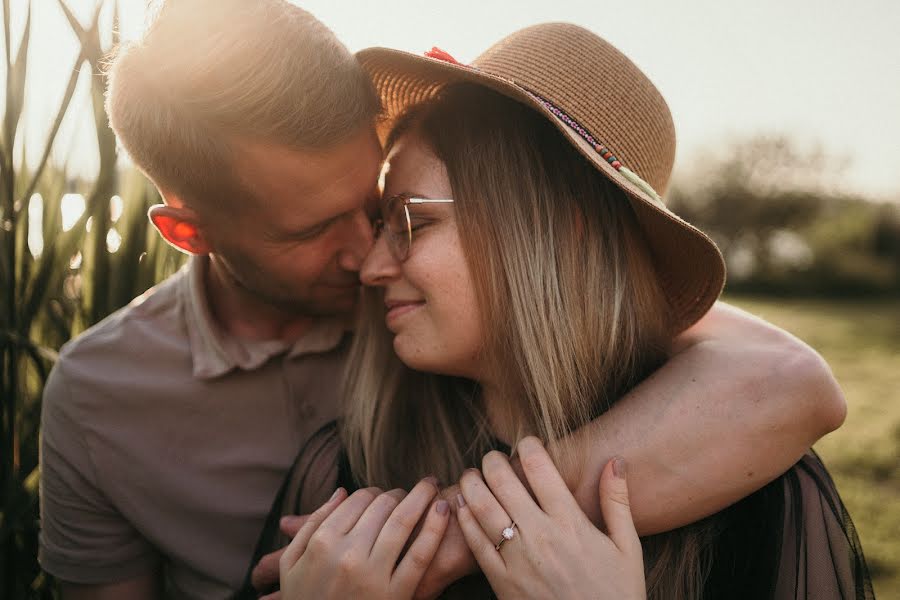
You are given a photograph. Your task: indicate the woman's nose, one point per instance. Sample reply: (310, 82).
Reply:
(379, 266)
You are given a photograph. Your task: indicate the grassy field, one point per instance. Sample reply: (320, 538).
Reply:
(861, 342)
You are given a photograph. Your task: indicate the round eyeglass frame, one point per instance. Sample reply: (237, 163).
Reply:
(400, 234)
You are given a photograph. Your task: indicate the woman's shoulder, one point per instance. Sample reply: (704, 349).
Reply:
(319, 468)
(821, 555)
(791, 540)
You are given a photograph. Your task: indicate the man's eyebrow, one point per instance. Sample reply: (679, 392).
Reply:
(320, 224)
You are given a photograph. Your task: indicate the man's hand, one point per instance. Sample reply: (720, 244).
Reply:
(265, 573)
(453, 560)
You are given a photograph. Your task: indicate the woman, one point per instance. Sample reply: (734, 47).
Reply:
(532, 277)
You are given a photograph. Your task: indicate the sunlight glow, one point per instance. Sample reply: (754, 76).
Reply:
(36, 225)
(113, 241)
(72, 207)
(116, 207)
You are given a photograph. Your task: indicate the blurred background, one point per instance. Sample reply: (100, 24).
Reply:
(788, 156)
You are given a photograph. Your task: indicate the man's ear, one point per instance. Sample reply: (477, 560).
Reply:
(179, 226)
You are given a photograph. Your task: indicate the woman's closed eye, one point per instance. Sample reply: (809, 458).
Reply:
(419, 223)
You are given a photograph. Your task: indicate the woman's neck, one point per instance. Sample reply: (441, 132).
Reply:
(498, 415)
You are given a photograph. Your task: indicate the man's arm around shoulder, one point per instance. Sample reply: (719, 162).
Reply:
(737, 404)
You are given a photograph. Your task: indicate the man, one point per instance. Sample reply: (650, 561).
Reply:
(168, 427)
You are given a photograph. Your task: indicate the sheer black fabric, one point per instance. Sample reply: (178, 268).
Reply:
(821, 556)
(791, 540)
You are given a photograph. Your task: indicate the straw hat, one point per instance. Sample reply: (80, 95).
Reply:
(606, 107)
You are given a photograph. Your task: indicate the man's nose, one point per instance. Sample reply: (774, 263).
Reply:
(358, 241)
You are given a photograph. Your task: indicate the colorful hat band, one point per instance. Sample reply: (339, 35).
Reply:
(602, 150)
(607, 155)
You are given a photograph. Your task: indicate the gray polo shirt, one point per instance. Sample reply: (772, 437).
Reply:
(164, 440)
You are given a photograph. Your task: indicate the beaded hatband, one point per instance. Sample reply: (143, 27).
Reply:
(602, 150)
(607, 155)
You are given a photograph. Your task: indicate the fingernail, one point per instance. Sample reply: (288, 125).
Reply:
(442, 507)
(432, 480)
(460, 501)
(335, 494)
(619, 468)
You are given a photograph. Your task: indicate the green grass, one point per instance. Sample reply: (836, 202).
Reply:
(861, 342)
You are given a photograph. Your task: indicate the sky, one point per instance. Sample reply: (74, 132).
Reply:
(825, 72)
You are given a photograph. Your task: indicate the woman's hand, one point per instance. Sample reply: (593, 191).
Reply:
(350, 547)
(554, 550)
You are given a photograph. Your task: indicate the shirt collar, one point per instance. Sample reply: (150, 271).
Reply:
(215, 352)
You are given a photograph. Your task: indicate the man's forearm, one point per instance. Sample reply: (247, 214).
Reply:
(735, 407)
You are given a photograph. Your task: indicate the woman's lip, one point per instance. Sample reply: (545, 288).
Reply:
(398, 310)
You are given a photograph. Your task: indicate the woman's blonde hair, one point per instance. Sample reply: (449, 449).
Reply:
(569, 300)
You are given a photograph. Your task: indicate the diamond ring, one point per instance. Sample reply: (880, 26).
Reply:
(506, 535)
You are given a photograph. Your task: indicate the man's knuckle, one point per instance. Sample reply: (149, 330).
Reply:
(267, 563)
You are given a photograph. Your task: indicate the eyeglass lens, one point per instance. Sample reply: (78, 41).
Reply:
(397, 224)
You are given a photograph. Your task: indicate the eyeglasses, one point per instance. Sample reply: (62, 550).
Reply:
(395, 219)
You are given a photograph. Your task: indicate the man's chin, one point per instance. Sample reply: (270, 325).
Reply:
(329, 302)
(335, 304)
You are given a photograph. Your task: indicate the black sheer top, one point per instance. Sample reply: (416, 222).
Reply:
(791, 540)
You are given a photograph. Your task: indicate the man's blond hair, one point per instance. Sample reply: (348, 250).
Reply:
(209, 73)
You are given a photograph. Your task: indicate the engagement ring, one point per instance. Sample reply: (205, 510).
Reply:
(507, 534)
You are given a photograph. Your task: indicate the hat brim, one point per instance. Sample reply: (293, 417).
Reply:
(689, 265)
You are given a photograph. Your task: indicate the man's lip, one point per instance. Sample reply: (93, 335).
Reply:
(345, 286)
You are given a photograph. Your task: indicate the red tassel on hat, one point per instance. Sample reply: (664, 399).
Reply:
(439, 54)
